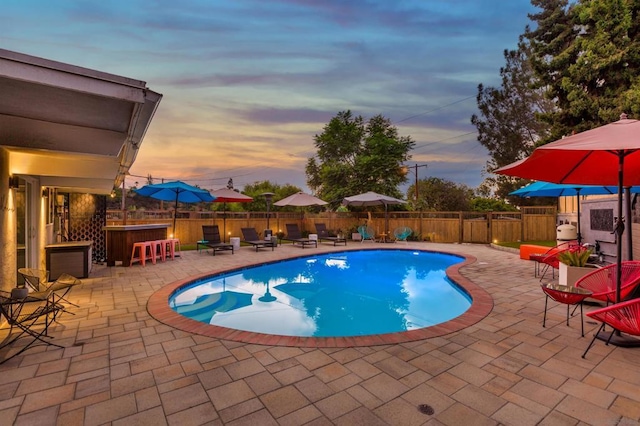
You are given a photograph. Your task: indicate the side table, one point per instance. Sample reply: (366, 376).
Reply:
(567, 295)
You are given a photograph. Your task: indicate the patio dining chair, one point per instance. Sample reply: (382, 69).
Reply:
(38, 280)
(25, 315)
(623, 317)
(602, 281)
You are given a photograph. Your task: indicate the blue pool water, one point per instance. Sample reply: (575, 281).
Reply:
(351, 293)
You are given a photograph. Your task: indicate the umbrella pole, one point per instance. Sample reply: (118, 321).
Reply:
(175, 213)
(619, 226)
(627, 208)
(579, 233)
(224, 222)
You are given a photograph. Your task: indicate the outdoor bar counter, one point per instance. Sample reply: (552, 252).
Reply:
(120, 239)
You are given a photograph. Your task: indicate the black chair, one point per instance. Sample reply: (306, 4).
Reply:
(38, 280)
(25, 315)
(211, 239)
(323, 235)
(250, 236)
(295, 236)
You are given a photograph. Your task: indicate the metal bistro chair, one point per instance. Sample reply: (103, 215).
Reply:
(25, 314)
(38, 280)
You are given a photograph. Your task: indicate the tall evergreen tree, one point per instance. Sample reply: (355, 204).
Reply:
(507, 124)
(553, 50)
(604, 81)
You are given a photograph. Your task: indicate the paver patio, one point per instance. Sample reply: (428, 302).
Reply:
(121, 366)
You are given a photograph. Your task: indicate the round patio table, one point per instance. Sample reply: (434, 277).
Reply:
(567, 295)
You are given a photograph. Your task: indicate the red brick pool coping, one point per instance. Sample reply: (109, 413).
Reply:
(482, 304)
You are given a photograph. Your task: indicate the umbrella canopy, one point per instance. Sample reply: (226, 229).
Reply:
(606, 155)
(549, 189)
(373, 199)
(300, 199)
(227, 195)
(176, 191)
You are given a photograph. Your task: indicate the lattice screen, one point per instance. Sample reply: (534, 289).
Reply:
(87, 217)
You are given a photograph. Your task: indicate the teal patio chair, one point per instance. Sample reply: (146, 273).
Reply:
(366, 232)
(402, 233)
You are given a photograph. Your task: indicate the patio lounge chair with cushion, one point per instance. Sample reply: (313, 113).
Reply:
(602, 281)
(211, 239)
(367, 233)
(623, 317)
(402, 233)
(250, 236)
(295, 236)
(323, 234)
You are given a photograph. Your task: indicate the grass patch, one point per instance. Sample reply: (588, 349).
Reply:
(517, 244)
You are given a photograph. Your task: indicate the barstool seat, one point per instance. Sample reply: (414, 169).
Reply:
(144, 252)
(159, 249)
(172, 247)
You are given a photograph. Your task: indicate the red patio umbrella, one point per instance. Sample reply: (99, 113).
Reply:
(606, 155)
(226, 195)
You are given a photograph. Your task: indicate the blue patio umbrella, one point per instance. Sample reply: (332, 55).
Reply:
(548, 189)
(177, 191)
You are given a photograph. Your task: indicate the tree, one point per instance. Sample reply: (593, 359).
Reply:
(259, 203)
(489, 204)
(507, 124)
(588, 56)
(440, 195)
(355, 156)
(552, 46)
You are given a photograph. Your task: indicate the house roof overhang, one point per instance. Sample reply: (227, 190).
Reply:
(77, 129)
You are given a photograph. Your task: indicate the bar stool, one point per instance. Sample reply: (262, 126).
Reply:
(159, 248)
(145, 252)
(172, 245)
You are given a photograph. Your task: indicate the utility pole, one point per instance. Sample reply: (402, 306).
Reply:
(415, 167)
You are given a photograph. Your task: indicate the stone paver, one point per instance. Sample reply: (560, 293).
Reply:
(126, 367)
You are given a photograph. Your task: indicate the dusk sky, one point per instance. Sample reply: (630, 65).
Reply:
(247, 84)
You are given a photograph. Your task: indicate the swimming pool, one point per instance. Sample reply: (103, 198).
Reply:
(350, 293)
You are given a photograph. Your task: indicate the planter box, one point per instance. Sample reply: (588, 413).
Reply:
(568, 275)
(355, 236)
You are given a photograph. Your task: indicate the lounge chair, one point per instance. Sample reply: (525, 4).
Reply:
(402, 233)
(295, 236)
(367, 233)
(211, 240)
(323, 234)
(250, 236)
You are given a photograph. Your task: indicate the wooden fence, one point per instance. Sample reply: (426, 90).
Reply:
(530, 224)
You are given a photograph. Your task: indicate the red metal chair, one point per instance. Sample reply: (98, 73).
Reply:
(549, 259)
(602, 281)
(552, 261)
(623, 317)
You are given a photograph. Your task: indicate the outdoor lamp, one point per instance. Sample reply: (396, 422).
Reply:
(14, 182)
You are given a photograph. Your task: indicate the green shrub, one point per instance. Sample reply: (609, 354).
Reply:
(575, 257)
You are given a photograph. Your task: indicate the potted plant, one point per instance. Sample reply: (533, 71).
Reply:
(573, 265)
